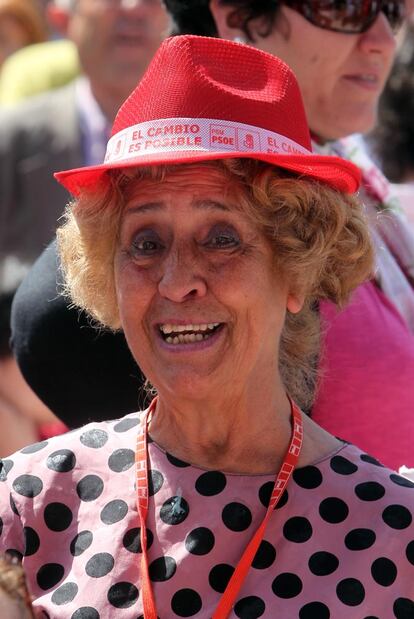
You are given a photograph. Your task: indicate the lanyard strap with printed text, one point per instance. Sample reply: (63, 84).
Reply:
(235, 583)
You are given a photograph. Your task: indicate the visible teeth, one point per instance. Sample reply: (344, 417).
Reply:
(187, 338)
(168, 328)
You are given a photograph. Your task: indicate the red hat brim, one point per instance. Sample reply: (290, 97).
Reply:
(334, 171)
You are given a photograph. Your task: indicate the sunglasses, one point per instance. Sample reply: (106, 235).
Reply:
(349, 16)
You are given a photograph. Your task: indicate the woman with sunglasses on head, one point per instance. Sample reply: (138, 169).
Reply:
(208, 237)
(341, 52)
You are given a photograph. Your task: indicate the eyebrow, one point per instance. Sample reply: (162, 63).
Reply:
(207, 205)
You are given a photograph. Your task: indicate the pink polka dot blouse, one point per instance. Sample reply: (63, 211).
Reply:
(339, 545)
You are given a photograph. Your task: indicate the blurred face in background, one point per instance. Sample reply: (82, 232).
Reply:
(12, 36)
(341, 76)
(116, 39)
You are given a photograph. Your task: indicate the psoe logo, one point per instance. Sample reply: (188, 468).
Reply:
(248, 140)
(222, 136)
(116, 149)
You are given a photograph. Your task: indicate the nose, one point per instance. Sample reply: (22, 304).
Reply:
(181, 277)
(379, 38)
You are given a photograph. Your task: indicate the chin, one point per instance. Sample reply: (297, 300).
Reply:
(188, 386)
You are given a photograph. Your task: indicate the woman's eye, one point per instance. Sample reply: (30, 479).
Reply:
(223, 240)
(146, 246)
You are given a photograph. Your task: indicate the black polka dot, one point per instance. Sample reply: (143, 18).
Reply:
(199, 541)
(99, 565)
(5, 468)
(132, 540)
(323, 563)
(265, 556)
(397, 517)
(86, 612)
(371, 460)
(13, 506)
(211, 483)
(80, 543)
(283, 500)
(287, 585)
(155, 482)
(31, 449)
(186, 602)
(249, 607)
(123, 595)
(314, 610)
(57, 516)
(61, 461)
(308, 477)
(15, 554)
(333, 510)
(219, 577)
(342, 465)
(410, 552)
(360, 539)
(28, 485)
(176, 462)
(401, 481)
(350, 591)
(403, 608)
(121, 460)
(32, 541)
(94, 438)
(369, 491)
(265, 492)
(89, 488)
(126, 424)
(49, 575)
(65, 594)
(174, 510)
(114, 511)
(162, 569)
(236, 516)
(297, 529)
(384, 571)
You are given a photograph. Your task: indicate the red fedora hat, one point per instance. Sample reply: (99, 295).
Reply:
(203, 98)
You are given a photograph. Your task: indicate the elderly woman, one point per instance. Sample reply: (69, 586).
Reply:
(341, 52)
(207, 236)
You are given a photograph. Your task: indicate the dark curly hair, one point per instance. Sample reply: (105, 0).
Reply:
(194, 16)
(392, 141)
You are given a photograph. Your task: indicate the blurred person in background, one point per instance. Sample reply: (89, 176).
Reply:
(15, 600)
(66, 127)
(23, 416)
(21, 24)
(342, 54)
(392, 141)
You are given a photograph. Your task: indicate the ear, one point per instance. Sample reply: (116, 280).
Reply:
(220, 14)
(57, 18)
(295, 303)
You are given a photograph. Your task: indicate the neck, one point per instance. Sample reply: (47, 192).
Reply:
(108, 98)
(236, 435)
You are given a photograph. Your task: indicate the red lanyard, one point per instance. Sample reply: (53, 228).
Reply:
(236, 581)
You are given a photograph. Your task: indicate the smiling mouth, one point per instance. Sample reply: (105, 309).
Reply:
(188, 334)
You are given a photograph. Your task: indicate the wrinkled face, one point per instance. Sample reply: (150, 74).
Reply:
(117, 38)
(200, 302)
(341, 76)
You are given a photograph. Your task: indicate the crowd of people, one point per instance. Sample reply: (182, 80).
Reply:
(207, 256)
